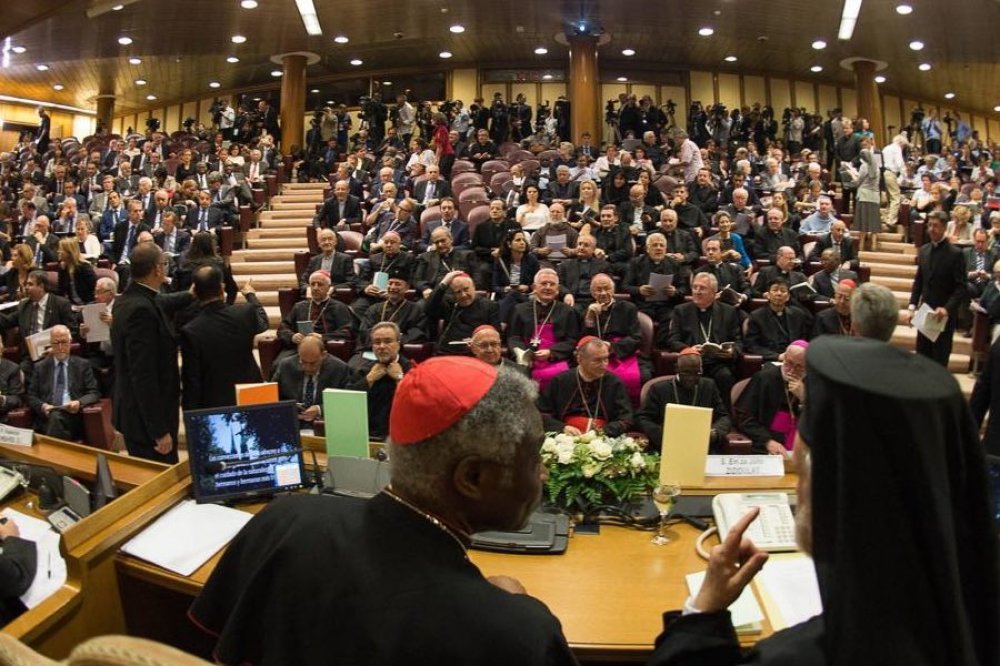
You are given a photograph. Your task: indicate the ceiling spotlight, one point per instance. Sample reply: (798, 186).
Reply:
(547, 77)
(249, 4)
(42, 68)
(341, 39)
(238, 39)
(731, 58)
(276, 73)
(118, 8)
(18, 49)
(924, 67)
(457, 29)
(904, 9)
(314, 90)
(58, 86)
(819, 45)
(216, 84)
(816, 68)
(997, 108)
(151, 98)
(622, 79)
(879, 79)
(232, 59)
(628, 52)
(949, 95)
(330, 101)
(140, 82)
(387, 83)
(916, 45)
(124, 41)
(357, 61)
(541, 50)
(706, 32)
(135, 61)
(445, 54)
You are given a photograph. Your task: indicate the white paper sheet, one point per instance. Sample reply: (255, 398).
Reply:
(50, 573)
(557, 244)
(790, 590)
(187, 536)
(659, 282)
(745, 610)
(99, 330)
(930, 327)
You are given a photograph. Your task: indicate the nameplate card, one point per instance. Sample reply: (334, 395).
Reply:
(757, 465)
(16, 436)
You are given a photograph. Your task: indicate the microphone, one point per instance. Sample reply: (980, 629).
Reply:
(214, 467)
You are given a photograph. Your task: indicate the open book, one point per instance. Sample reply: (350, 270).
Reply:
(714, 348)
(730, 296)
(802, 287)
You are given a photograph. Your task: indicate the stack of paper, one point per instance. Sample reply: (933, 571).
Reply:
(788, 587)
(51, 570)
(187, 536)
(745, 611)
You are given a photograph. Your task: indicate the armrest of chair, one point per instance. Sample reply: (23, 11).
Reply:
(342, 349)
(748, 365)
(267, 350)
(271, 185)
(345, 295)
(226, 238)
(259, 196)
(418, 351)
(19, 418)
(287, 298)
(664, 362)
(246, 218)
(737, 444)
(97, 429)
(319, 428)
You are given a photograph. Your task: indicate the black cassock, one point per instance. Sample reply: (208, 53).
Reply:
(706, 394)
(568, 396)
(768, 333)
(339, 580)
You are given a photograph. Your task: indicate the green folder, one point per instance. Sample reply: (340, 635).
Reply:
(345, 414)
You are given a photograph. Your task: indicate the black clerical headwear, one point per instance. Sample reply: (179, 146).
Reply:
(398, 272)
(902, 534)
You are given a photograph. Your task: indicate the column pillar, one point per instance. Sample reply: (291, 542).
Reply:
(584, 88)
(293, 100)
(105, 110)
(869, 105)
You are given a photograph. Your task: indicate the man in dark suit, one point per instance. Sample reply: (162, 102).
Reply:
(986, 398)
(312, 371)
(783, 269)
(772, 328)
(429, 192)
(774, 235)
(839, 240)
(457, 310)
(440, 260)
(825, 281)
(339, 266)
(450, 221)
(316, 314)
(44, 246)
(172, 240)
(217, 345)
(575, 273)
(126, 238)
(11, 386)
(223, 198)
(939, 284)
(705, 320)
(340, 210)
(726, 274)
(203, 217)
(42, 133)
(689, 217)
(979, 260)
(562, 189)
(635, 214)
(39, 311)
(61, 386)
(147, 383)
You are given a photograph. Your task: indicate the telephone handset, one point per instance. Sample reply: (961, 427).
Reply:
(774, 528)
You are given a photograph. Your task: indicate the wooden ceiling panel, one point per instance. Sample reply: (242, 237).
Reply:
(84, 55)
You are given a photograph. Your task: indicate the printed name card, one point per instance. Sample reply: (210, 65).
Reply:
(756, 465)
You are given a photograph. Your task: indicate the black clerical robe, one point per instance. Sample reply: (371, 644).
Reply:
(565, 326)
(387, 585)
(763, 408)
(604, 399)
(619, 325)
(456, 324)
(639, 270)
(769, 333)
(728, 275)
(705, 394)
(380, 394)
(406, 314)
(829, 322)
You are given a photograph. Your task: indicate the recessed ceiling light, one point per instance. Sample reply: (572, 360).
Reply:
(819, 45)
(341, 39)
(445, 54)
(997, 108)
(238, 39)
(541, 50)
(924, 67)
(58, 86)
(706, 32)
(357, 61)
(19, 49)
(547, 77)
(214, 84)
(904, 9)
(249, 4)
(816, 68)
(330, 101)
(879, 79)
(457, 29)
(140, 82)
(314, 90)
(387, 83)
(916, 45)
(232, 59)
(124, 41)
(622, 79)
(628, 52)
(276, 73)
(118, 8)
(42, 68)
(151, 98)
(135, 61)
(731, 58)
(949, 95)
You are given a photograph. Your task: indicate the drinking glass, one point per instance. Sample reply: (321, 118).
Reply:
(663, 497)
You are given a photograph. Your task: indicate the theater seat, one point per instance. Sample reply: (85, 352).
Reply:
(20, 417)
(97, 429)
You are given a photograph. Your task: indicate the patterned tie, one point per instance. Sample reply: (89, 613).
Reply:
(60, 389)
(309, 395)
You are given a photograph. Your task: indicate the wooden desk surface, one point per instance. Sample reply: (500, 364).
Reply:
(79, 460)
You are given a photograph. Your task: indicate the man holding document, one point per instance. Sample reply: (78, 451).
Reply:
(61, 386)
(938, 290)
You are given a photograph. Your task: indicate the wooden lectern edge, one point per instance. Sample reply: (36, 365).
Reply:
(46, 615)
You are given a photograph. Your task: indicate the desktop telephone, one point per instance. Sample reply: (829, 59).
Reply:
(774, 528)
(9, 481)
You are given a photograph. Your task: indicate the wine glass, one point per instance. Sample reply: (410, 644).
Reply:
(25, 481)
(663, 497)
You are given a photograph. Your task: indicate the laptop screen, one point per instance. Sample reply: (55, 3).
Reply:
(244, 452)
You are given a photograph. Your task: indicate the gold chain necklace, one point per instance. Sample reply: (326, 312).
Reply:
(437, 522)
